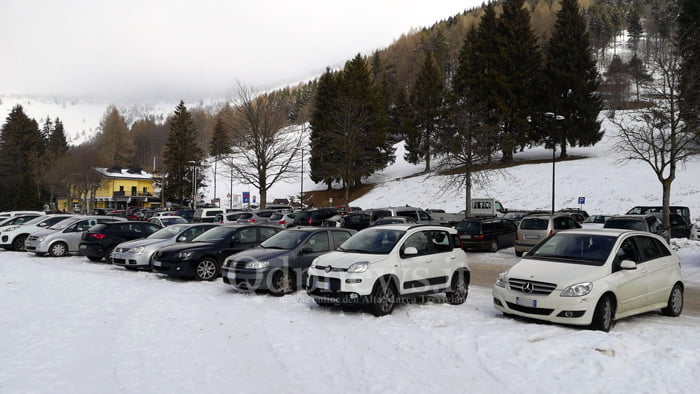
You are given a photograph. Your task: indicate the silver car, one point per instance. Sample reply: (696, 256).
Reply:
(138, 253)
(63, 237)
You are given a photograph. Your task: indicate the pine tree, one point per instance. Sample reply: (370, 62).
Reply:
(636, 69)
(57, 143)
(689, 51)
(21, 144)
(115, 143)
(220, 145)
(515, 76)
(427, 103)
(325, 154)
(571, 80)
(180, 150)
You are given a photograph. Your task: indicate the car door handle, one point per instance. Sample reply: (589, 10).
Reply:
(453, 257)
(429, 261)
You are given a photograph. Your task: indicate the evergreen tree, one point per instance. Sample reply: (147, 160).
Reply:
(115, 143)
(635, 29)
(515, 76)
(220, 145)
(57, 143)
(689, 50)
(636, 69)
(21, 144)
(325, 155)
(427, 104)
(180, 149)
(571, 80)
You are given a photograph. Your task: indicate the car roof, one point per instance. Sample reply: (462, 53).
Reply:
(409, 226)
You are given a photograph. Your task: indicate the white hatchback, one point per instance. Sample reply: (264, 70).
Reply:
(592, 278)
(380, 265)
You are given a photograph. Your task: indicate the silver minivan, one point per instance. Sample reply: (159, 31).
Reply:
(534, 229)
(63, 237)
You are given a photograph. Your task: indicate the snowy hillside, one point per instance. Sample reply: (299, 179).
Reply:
(609, 187)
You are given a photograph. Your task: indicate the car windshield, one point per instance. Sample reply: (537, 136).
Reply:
(596, 219)
(286, 239)
(169, 221)
(37, 220)
(62, 224)
(469, 227)
(216, 234)
(374, 241)
(566, 247)
(168, 232)
(626, 224)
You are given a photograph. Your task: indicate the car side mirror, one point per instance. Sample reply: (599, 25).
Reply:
(181, 238)
(306, 250)
(410, 251)
(628, 265)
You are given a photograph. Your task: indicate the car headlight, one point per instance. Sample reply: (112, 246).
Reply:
(137, 249)
(40, 239)
(257, 265)
(501, 280)
(358, 267)
(184, 255)
(578, 290)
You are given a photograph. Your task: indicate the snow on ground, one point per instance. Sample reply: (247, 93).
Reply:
(73, 326)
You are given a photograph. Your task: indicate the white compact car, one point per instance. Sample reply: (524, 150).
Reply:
(13, 237)
(592, 278)
(379, 265)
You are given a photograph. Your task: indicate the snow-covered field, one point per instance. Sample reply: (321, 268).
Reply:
(73, 326)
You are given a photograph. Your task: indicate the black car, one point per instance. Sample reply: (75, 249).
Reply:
(355, 221)
(202, 258)
(280, 264)
(648, 222)
(316, 217)
(486, 233)
(99, 241)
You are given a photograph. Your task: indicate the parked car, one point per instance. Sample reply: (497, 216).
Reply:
(645, 209)
(228, 217)
(394, 220)
(255, 217)
(99, 241)
(534, 229)
(9, 214)
(679, 227)
(648, 222)
(595, 221)
(280, 263)
(486, 233)
(355, 220)
(203, 257)
(419, 215)
(593, 278)
(63, 237)
(16, 220)
(13, 237)
(379, 264)
(205, 215)
(140, 252)
(316, 217)
(283, 220)
(164, 221)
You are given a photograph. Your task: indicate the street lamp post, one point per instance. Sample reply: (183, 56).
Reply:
(552, 116)
(194, 180)
(301, 193)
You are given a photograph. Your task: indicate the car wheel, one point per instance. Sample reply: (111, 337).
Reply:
(59, 249)
(108, 255)
(18, 243)
(383, 298)
(675, 302)
(282, 283)
(603, 315)
(494, 246)
(205, 270)
(518, 253)
(458, 289)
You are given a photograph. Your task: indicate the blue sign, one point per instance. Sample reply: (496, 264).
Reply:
(246, 197)
(581, 200)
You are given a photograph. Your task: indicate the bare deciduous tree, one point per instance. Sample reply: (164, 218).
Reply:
(266, 145)
(656, 135)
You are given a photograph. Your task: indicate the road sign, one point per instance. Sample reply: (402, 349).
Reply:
(246, 197)
(581, 200)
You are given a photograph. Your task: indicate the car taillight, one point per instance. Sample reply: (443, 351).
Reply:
(98, 236)
(551, 232)
(516, 236)
(479, 237)
(251, 220)
(310, 222)
(282, 222)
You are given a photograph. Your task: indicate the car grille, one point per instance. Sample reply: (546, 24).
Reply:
(240, 264)
(328, 268)
(529, 310)
(531, 287)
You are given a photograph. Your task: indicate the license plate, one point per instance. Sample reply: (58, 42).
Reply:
(526, 302)
(157, 263)
(323, 285)
(467, 236)
(532, 236)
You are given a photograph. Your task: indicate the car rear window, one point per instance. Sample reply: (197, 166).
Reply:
(469, 227)
(626, 224)
(534, 224)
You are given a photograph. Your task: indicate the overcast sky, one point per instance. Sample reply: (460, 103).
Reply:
(193, 49)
